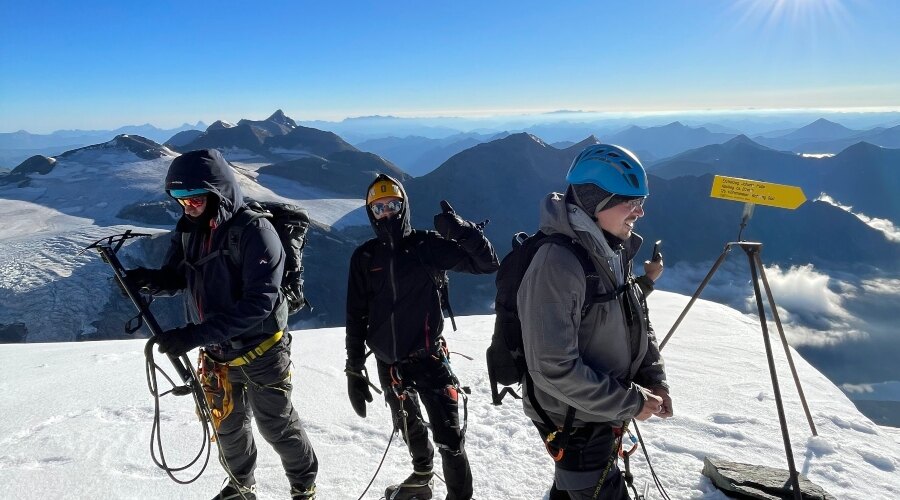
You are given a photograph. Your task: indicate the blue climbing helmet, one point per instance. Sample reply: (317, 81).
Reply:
(610, 167)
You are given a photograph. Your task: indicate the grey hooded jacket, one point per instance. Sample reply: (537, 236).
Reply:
(598, 364)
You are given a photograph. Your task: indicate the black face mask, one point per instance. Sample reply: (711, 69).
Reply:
(389, 229)
(202, 220)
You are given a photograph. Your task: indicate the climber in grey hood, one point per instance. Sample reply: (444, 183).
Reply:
(601, 363)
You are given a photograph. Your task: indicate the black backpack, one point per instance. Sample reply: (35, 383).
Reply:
(506, 355)
(292, 224)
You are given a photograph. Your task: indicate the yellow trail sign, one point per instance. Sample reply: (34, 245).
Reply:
(760, 193)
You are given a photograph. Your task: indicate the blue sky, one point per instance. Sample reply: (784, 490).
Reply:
(88, 65)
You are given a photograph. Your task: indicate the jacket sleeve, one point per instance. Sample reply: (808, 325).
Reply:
(471, 254)
(549, 301)
(357, 310)
(645, 283)
(261, 269)
(652, 372)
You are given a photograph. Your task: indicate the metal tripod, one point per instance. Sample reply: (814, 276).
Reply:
(752, 250)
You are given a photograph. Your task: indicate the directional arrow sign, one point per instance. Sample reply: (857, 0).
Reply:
(760, 193)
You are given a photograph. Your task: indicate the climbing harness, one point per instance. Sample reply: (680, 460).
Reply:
(216, 387)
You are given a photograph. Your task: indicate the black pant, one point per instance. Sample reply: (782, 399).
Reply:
(262, 389)
(428, 380)
(591, 448)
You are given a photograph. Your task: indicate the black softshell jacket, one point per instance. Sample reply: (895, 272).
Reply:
(233, 307)
(393, 303)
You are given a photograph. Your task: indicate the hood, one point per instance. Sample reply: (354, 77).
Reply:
(393, 228)
(559, 216)
(206, 169)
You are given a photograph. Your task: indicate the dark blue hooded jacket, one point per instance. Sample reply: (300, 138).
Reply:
(232, 307)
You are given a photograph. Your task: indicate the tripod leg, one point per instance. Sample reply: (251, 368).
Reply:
(696, 295)
(752, 254)
(787, 350)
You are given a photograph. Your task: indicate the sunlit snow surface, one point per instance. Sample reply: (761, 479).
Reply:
(76, 421)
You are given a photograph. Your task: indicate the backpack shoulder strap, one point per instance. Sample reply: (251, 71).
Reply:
(239, 222)
(592, 277)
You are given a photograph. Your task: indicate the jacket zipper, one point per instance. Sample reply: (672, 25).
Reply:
(394, 296)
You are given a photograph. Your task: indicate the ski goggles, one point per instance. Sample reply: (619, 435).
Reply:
(193, 201)
(189, 197)
(379, 208)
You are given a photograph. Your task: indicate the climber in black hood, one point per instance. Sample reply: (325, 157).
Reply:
(237, 312)
(394, 307)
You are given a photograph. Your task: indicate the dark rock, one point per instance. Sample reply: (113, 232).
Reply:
(183, 137)
(14, 333)
(758, 481)
(37, 164)
(157, 213)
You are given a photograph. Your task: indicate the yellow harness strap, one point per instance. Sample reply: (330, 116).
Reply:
(257, 351)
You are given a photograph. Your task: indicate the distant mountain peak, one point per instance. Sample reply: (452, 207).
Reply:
(860, 148)
(823, 121)
(37, 164)
(588, 141)
(141, 146)
(521, 139)
(279, 117)
(219, 125)
(821, 129)
(742, 139)
(823, 124)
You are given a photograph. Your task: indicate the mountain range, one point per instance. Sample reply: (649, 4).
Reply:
(504, 181)
(824, 136)
(16, 147)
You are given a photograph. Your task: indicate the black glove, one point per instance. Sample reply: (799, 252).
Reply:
(452, 226)
(358, 389)
(178, 341)
(141, 278)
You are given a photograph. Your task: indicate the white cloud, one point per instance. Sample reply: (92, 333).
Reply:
(882, 286)
(857, 388)
(804, 291)
(887, 227)
(811, 304)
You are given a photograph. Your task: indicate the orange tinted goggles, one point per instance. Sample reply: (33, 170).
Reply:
(193, 201)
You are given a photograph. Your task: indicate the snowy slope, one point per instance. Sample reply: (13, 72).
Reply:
(76, 421)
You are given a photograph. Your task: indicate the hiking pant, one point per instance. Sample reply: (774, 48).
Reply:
(262, 389)
(429, 380)
(588, 453)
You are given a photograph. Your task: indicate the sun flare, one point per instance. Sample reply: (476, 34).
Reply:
(773, 13)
